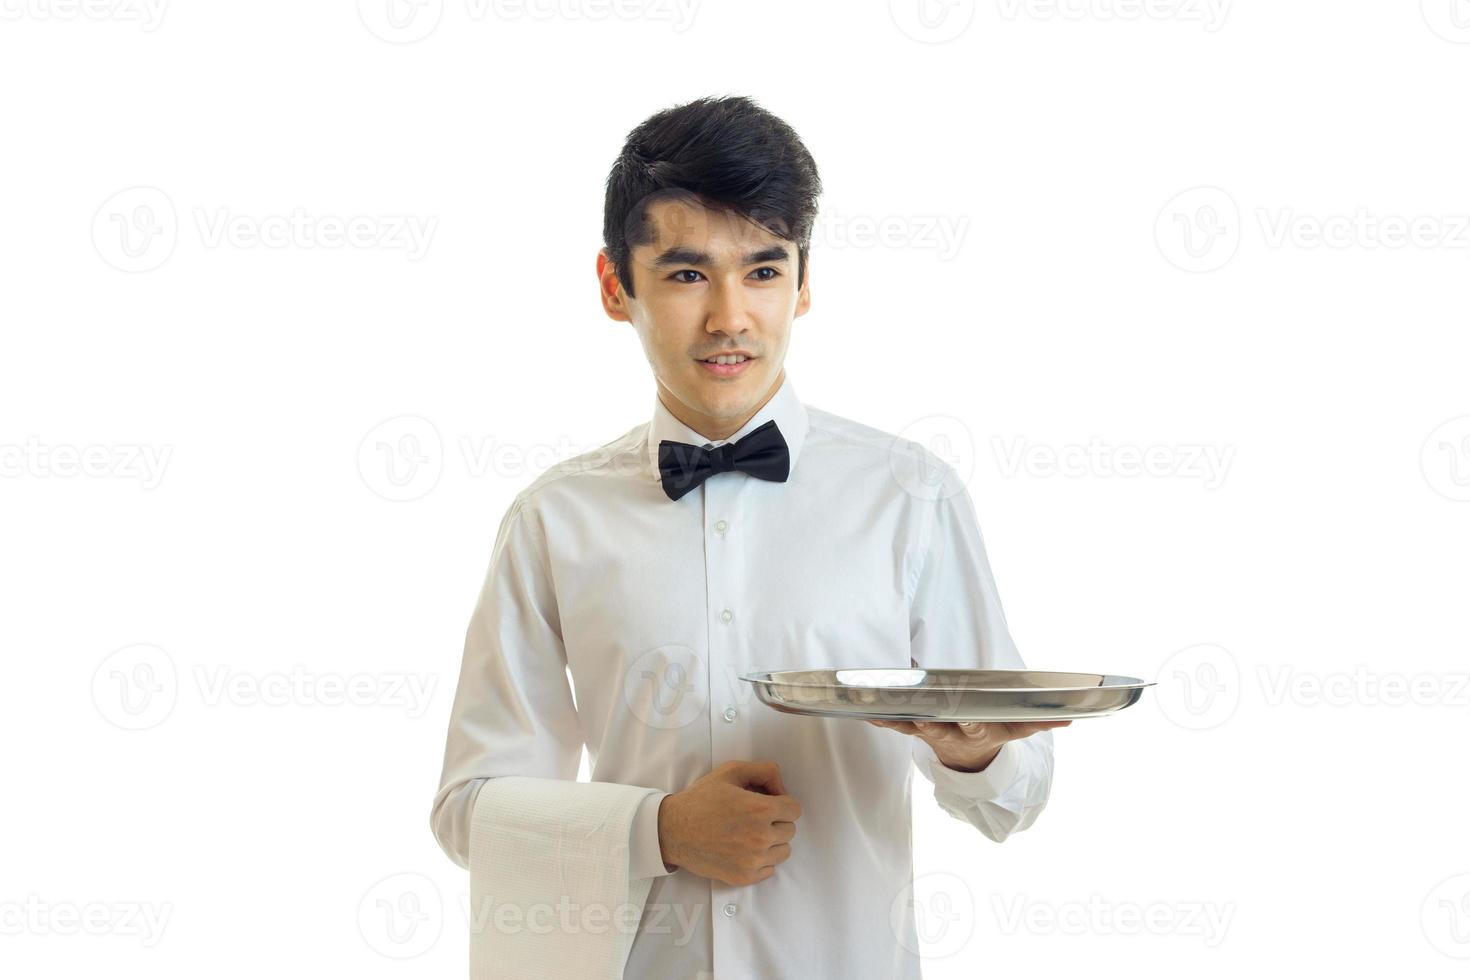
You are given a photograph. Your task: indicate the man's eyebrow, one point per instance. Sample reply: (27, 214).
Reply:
(682, 255)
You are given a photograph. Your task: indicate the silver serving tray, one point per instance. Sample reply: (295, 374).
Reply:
(918, 694)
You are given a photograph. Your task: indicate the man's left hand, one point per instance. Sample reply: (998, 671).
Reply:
(968, 746)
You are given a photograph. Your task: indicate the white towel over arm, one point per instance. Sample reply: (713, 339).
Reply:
(548, 855)
(551, 897)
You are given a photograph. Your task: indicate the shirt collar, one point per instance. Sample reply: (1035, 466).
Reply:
(787, 410)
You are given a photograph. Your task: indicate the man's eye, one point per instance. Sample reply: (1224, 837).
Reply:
(774, 273)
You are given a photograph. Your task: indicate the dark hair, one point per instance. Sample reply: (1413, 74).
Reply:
(727, 154)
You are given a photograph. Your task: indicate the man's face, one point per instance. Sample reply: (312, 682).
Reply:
(710, 283)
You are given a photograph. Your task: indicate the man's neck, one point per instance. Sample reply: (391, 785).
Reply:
(713, 429)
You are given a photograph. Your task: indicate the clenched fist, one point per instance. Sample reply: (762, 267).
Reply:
(734, 824)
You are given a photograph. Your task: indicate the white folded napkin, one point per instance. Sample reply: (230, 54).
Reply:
(550, 893)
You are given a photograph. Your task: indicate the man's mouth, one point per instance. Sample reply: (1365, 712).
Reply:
(726, 365)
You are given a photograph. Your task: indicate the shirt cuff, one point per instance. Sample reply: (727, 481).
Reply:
(987, 784)
(645, 856)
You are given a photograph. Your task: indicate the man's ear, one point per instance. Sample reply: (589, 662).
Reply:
(804, 295)
(610, 288)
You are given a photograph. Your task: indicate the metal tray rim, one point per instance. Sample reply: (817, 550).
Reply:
(763, 677)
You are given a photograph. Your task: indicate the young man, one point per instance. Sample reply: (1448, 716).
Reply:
(737, 530)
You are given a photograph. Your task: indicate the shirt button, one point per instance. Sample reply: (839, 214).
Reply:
(731, 908)
(730, 714)
(726, 615)
(720, 526)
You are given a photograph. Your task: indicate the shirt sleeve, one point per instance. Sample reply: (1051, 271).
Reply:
(956, 621)
(646, 858)
(513, 712)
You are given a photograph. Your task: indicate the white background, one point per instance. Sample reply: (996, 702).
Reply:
(1182, 231)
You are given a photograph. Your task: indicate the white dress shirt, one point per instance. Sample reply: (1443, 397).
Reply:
(869, 555)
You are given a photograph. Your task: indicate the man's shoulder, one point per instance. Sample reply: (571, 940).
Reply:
(904, 455)
(621, 458)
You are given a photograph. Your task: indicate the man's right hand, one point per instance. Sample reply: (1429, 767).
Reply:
(733, 825)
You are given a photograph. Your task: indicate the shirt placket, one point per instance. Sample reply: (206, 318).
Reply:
(729, 730)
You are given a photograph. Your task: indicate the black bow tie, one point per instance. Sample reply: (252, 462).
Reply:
(762, 453)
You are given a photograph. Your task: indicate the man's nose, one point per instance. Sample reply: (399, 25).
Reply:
(727, 311)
